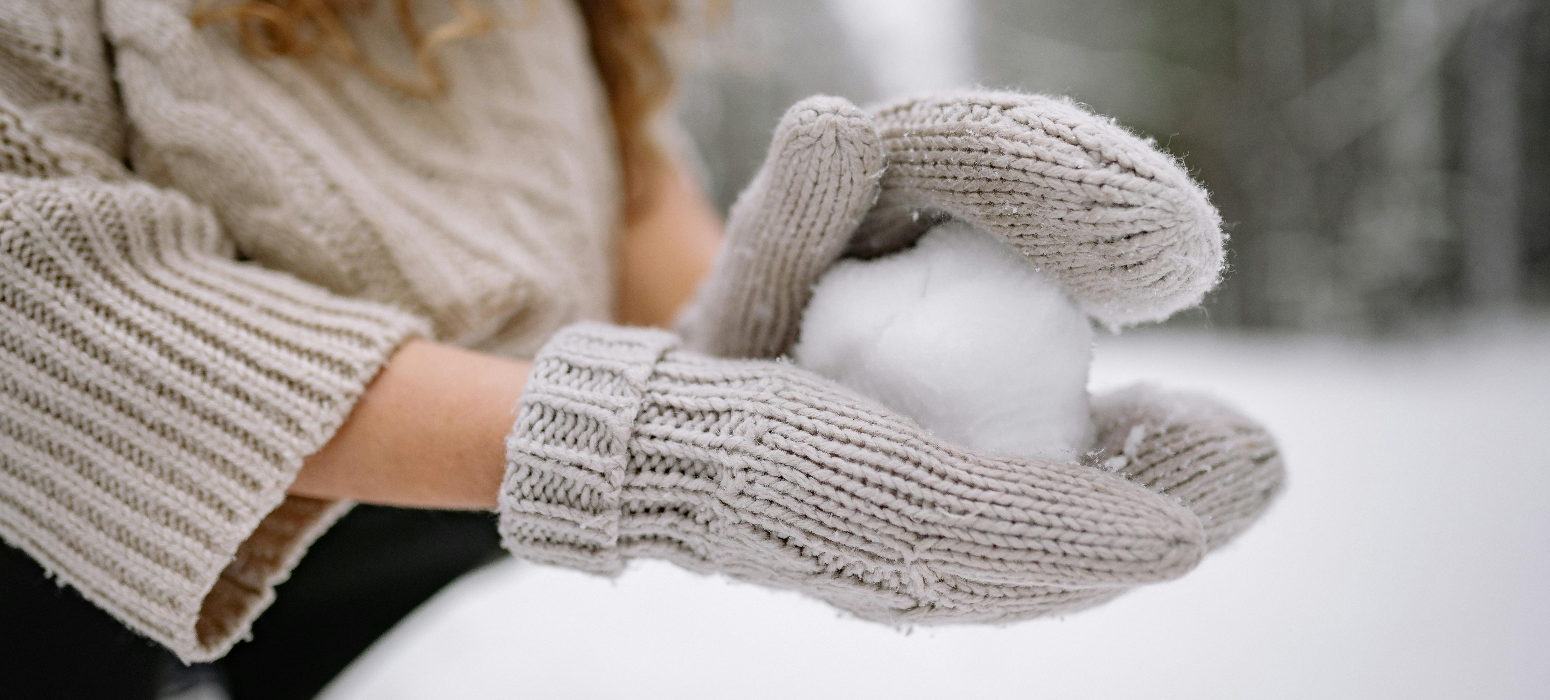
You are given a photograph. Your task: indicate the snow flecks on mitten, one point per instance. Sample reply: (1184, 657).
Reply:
(964, 336)
(1221, 464)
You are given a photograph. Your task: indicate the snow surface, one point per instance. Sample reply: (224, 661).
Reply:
(961, 334)
(1408, 558)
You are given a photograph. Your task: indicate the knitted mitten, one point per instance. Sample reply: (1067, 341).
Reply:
(1112, 219)
(1222, 465)
(627, 445)
(785, 230)
(1115, 221)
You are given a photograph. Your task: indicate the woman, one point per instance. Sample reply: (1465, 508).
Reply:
(244, 292)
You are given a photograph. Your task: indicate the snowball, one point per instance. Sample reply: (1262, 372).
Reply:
(963, 335)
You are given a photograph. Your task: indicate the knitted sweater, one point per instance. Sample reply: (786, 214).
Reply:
(204, 258)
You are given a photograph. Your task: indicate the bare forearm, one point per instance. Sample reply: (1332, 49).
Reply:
(429, 432)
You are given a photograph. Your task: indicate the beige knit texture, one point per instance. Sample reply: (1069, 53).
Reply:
(1116, 222)
(795, 218)
(628, 446)
(158, 399)
(491, 212)
(157, 396)
(1221, 464)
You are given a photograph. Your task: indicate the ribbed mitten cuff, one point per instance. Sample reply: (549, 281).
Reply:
(568, 453)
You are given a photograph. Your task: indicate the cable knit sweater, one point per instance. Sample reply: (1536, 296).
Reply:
(204, 257)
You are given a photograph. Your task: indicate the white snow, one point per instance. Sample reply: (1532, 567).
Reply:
(1407, 559)
(961, 334)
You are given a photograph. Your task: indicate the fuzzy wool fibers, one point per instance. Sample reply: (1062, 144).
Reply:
(963, 335)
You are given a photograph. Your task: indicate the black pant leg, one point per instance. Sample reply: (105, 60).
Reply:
(360, 578)
(54, 645)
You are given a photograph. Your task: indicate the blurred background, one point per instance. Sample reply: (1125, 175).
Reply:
(1382, 166)
(1380, 163)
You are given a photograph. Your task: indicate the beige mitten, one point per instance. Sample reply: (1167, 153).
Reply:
(1221, 464)
(1115, 221)
(628, 446)
(1108, 216)
(1123, 229)
(787, 227)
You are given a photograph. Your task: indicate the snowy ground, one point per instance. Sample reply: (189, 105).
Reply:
(1409, 558)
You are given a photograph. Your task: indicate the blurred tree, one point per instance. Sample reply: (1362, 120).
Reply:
(1491, 153)
(1534, 121)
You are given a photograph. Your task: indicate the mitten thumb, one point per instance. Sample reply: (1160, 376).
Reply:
(787, 227)
(1219, 463)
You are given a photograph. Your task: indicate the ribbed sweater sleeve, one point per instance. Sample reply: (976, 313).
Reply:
(157, 396)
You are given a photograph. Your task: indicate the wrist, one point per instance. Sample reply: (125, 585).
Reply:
(428, 432)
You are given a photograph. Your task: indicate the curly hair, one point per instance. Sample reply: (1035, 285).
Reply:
(624, 36)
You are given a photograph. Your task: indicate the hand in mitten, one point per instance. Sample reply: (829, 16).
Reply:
(627, 445)
(1222, 465)
(1115, 222)
(1122, 229)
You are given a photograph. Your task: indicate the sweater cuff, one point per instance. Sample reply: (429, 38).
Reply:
(264, 560)
(159, 399)
(568, 452)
